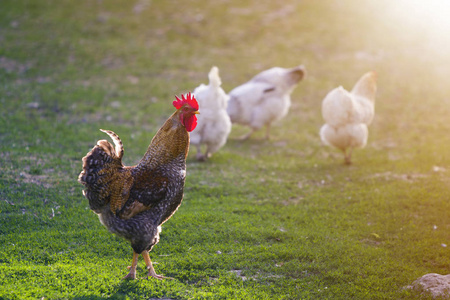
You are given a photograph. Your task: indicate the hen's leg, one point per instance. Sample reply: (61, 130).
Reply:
(246, 136)
(209, 151)
(132, 273)
(151, 270)
(268, 131)
(200, 156)
(348, 157)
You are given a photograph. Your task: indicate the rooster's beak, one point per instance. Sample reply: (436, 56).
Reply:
(196, 112)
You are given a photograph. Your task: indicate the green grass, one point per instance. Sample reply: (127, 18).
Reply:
(285, 215)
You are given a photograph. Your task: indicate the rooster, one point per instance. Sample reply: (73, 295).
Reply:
(347, 115)
(133, 202)
(264, 99)
(214, 124)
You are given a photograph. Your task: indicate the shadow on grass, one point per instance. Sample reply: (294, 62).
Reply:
(133, 288)
(124, 290)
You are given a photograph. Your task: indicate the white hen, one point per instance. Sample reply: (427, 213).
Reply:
(214, 124)
(264, 99)
(347, 115)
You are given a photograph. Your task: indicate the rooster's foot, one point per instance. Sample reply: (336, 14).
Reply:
(132, 268)
(152, 273)
(131, 275)
(151, 270)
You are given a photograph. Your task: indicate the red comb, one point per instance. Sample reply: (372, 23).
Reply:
(188, 98)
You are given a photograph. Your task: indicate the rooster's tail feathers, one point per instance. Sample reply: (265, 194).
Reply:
(117, 142)
(101, 161)
(99, 166)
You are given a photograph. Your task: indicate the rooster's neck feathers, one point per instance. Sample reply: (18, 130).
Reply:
(170, 142)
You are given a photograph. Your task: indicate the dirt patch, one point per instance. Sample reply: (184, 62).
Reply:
(42, 180)
(255, 277)
(292, 201)
(31, 169)
(404, 177)
(12, 66)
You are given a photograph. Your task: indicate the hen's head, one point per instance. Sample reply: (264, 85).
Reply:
(188, 108)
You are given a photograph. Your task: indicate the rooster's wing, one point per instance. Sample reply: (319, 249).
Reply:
(158, 179)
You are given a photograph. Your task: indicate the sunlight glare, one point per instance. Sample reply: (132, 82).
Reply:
(429, 17)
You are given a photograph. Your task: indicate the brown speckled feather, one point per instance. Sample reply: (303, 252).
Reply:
(133, 202)
(159, 176)
(156, 182)
(102, 173)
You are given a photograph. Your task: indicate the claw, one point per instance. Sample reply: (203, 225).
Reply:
(246, 136)
(151, 270)
(152, 273)
(130, 276)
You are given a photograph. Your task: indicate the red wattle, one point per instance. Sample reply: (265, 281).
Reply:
(190, 123)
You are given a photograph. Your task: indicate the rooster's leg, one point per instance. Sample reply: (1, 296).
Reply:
(132, 273)
(151, 270)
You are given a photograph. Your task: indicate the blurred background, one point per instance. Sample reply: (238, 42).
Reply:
(66, 60)
(68, 68)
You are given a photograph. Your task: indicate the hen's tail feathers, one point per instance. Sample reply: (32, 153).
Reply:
(301, 72)
(214, 78)
(366, 86)
(117, 142)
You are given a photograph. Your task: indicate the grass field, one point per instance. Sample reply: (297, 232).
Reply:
(279, 219)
